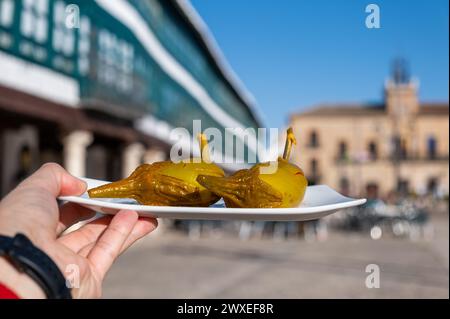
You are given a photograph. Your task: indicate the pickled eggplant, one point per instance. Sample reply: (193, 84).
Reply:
(252, 188)
(166, 183)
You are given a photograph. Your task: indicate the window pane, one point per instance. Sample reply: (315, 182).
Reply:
(69, 44)
(431, 147)
(28, 4)
(313, 139)
(41, 7)
(26, 23)
(85, 26)
(58, 38)
(41, 30)
(373, 151)
(6, 12)
(59, 14)
(84, 46)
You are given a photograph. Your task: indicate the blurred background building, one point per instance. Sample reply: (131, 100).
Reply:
(399, 146)
(98, 85)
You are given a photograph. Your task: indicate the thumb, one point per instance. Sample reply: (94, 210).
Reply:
(55, 180)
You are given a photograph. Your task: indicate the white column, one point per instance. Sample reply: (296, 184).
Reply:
(75, 145)
(132, 158)
(153, 155)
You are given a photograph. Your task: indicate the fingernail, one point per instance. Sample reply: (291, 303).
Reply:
(83, 185)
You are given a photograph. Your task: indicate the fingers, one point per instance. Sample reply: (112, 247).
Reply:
(86, 235)
(144, 226)
(56, 180)
(84, 252)
(70, 214)
(81, 241)
(109, 245)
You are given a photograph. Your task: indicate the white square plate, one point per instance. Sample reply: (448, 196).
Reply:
(319, 201)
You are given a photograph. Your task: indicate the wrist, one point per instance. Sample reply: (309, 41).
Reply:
(20, 283)
(29, 267)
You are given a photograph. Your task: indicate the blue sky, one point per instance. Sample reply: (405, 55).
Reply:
(293, 54)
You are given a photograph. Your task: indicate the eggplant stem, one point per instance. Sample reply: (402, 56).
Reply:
(204, 149)
(290, 140)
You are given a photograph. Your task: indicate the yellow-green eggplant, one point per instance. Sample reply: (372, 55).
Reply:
(166, 183)
(255, 188)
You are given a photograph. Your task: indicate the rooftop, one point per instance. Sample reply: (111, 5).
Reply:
(434, 109)
(368, 109)
(343, 110)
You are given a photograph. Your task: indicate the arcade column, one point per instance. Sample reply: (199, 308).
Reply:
(153, 155)
(132, 158)
(75, 145)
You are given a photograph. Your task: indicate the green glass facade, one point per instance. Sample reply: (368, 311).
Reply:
(113, 67)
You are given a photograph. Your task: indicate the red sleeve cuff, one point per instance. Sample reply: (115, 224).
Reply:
(6, 293)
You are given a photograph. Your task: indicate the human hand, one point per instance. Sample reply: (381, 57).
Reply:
(32, 209)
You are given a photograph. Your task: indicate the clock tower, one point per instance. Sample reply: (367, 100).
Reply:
(402, 106)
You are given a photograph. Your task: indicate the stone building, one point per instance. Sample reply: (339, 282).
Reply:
(98, 86)
(400, 145)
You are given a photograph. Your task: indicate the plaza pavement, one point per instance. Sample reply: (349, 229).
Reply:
(171, 265)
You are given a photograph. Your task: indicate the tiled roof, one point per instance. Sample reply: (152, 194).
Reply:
(344, 110)
(368, 109)
(434, 109)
